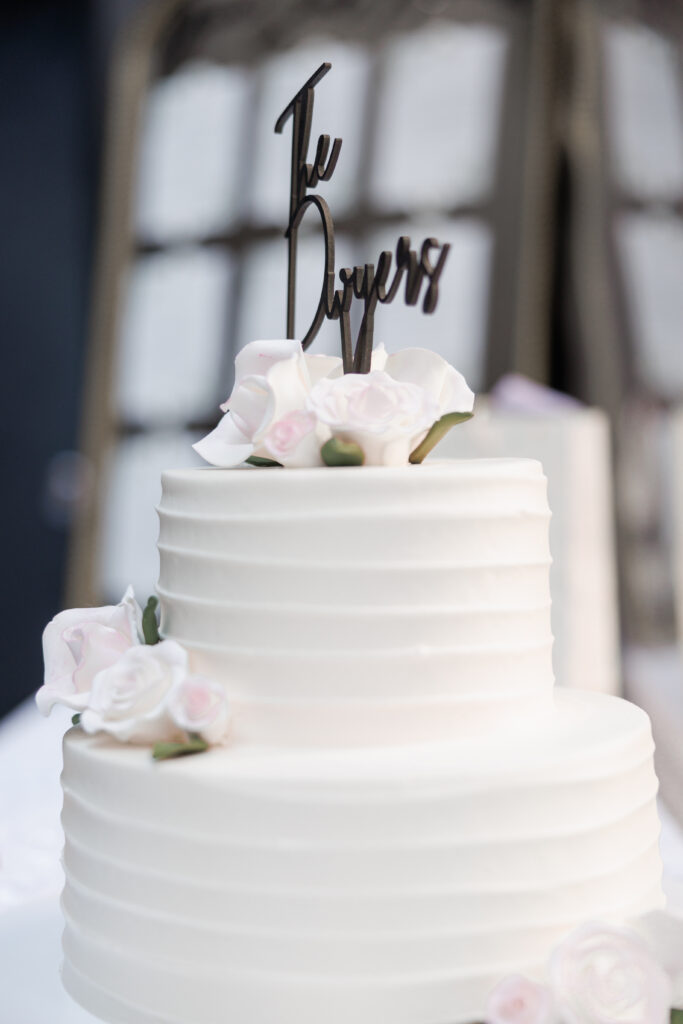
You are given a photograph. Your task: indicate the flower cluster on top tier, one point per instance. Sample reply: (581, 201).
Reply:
(296, 409)
(114, 671)
(597, 975)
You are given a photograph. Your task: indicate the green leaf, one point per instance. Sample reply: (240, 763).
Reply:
(76, 719)
(256, 460)
(676, 1016)
(193, 745)
(150, 628)
(436, 432)
(342, 453)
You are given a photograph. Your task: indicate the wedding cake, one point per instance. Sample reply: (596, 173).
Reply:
(334, 784)
(406, 811)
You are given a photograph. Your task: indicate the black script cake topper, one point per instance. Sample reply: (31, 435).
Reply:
(367, 283)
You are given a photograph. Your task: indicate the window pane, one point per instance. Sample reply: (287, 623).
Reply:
(173, 336)
(644, 112)
(189, 172)
(438, 117)
(651, 249)
(127, 550)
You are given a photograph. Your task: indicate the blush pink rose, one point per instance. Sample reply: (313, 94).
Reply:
(607, 975)
(517, 1000)
(386, 417)
(129, 699)
(296, 439)
(272, 379)
(430, 371)
(199, 706)
(81, 642)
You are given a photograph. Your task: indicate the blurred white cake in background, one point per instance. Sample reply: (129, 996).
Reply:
(677, 518)
(654, 674)
(573, 444)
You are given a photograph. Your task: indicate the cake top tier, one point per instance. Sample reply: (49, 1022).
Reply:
(472, 486)
(362, 606)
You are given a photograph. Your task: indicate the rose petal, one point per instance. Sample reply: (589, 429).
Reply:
(385, 417)
(517, 1000)
(94, 647)
(128, 700)
(48, 696)
(127, 617)
(456, 395)
(225, 446)
(199, 705)
(379, 358)
(441, 380)
(173, 653)
(253, 406)
(607, 975)
(256, 358)
(289, 386)
(60, 664)
(58, 659)
(153, 727)
(295, 440)
(320, 366)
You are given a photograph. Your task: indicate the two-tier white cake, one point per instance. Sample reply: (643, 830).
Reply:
(405, 811)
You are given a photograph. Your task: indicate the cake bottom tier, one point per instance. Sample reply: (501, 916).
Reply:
(254, 886)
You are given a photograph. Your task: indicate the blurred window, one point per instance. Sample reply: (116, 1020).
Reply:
(644, 115)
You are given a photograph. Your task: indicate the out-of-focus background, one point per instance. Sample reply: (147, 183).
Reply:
(144, 196)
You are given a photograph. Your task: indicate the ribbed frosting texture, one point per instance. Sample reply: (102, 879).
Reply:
(395, 884)
(405, 812)
(362, 606)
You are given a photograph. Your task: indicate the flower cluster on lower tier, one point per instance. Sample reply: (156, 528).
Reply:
(292, 409)
(122, 679)
(597, 975)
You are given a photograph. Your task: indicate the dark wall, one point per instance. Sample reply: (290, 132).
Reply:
(48, 147)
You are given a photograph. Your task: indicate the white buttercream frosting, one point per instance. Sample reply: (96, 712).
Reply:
(378, 884)
(362, 606)
(406, 812)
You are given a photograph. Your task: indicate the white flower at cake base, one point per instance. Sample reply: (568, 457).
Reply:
(296, 439)
(604, 975)
(431, 372)
(272, 379)
(199, 707)
(517, 1000)
(385, 417)
(81, 642)
(129, 699)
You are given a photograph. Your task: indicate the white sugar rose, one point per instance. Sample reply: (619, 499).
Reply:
(516, 1000)
(272, 379)
(296, 439)
(199, 706)
(603, 975)
(386, 417)
(79, 643)
(128, 700)
(431, 372)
